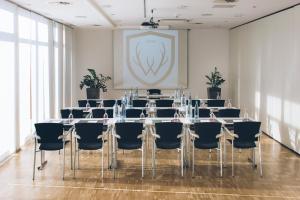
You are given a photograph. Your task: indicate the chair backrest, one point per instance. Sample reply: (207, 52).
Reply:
(135, 113)
(82, 103)
(194, 102)
(203, 112)
(229, 112)
(154, 91)
(168, 131)
(167, 112)
(207, 132)
(128, 131)
(99, 113)
(164, 102)
(49, 132)
(109, 102)
(139, 103)
(215, 103)
(246, 131)
(77, 113)
(89, 132)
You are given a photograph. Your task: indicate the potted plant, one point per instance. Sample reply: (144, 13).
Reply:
(215, 80)
(94, 83)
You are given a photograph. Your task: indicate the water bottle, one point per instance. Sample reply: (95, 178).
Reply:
(115, 110)
(218, 96)
(189, 110)
(105, 116)
(229, 103)
(123, 111)
(202, 103)
(70, 116)
(101, 104)
(142, 115)
(246, 116)
(183, 101)
(87, 106)
(176, 115)
(196, 111)
(212, 115)
(130, 99)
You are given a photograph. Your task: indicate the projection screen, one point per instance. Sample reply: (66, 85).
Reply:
(150, 59)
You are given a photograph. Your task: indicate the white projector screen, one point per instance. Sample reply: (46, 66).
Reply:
(150, 59)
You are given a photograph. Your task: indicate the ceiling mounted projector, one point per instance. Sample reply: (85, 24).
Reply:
(151, 24)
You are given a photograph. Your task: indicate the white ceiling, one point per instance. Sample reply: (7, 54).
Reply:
(107, 13)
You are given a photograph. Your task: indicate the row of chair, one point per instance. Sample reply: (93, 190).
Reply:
(166, 135)
(136, 113)
(143, 103)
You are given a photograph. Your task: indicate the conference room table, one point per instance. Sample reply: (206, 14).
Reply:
(149, 124)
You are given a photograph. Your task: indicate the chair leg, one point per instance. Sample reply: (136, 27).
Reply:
(64, 159)
(34, 161)
(232, 151)
(78, 159)
(153, 159)
(260, 160)
(143, 160)
(74, 161)
(253, 158)
(224, 145)
(193, 167)
(182, 154)
(221, 159)
(102, 162)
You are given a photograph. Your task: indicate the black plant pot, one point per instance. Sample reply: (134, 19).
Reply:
(212, 93)
(92, 93)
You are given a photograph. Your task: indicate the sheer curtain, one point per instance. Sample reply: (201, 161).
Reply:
(36, 71)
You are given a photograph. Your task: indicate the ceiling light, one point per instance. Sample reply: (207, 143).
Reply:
(223, 6)
(61, 3)
(182, 7)
(96, 25)
(106, 6)
(80, 16)
(207, 14)
(198, 23)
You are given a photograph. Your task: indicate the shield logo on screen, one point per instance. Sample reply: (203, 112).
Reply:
(150, 56)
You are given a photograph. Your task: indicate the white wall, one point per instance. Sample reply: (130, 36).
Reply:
(265, 71)
(207, 48)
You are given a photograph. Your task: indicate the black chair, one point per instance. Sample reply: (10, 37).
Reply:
(111, 102)
(215, 103)
(49, 137)
(130, 136)
(89, 136)
(194, 102)
(99, 112)
(246, 135)
(154, 91)
(167, 112)
(77, 113)
(229, 112)
(139, 103)
(167, 135)
(135, 113)
(203, 112)
(164, 103)
(82, 103)
(207, 136)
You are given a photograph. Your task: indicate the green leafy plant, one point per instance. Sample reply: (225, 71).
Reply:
(93, 80)
(215, 79)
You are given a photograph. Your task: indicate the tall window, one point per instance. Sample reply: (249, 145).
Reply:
(31, 49)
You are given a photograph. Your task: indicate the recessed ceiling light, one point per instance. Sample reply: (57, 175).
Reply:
(198, 23)
(106, 6)
(80, 16)
(182, 7)
(61, 3)
(96, 25)
(207, 14)
(113, 14)
(254, 6)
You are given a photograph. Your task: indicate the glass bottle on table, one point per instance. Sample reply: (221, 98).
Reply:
(87, 106)
(105, 116)
(142, 115)
(70, 117)
(176, 115)
(211, 115)
(229, 105)
(246, 115)
(115, 110)
(196, 111)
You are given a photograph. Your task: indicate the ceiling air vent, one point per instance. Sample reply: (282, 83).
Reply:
(223, 6)
(60, 3)
(226, 1)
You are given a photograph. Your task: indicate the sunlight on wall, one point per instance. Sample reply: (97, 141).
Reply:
(291, 114)
(274, 107)
(257, 105)
(274, 129)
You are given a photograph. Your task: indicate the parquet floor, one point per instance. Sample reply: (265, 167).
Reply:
(281, 178)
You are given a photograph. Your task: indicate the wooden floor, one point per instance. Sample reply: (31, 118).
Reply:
(281, 178)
